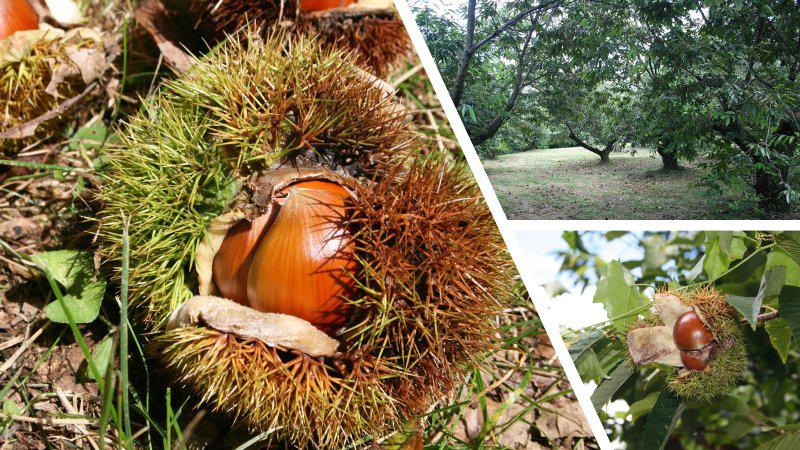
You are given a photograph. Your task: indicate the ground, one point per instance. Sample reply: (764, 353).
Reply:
(520, 398)
(570, 183)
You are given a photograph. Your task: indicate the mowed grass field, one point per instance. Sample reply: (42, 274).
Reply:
(570, 183)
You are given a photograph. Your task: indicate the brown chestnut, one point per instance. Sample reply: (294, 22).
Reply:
(297, 261)
(16, 15)
(690, 333)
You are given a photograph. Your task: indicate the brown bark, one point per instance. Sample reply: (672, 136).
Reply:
(604, 153)
(466, 55)
(669, 160)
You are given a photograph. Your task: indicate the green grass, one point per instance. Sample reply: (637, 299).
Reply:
(570, 183)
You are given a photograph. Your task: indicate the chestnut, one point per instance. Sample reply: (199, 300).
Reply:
(16, 15)
(690, 333)
(322, 5)
(297, 260)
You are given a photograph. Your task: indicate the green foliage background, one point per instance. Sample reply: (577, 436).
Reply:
(760, 271)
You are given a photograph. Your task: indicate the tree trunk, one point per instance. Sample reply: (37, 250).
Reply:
(769, 189)
(466, 55)
(519, 83)
(669, 160)
(604, 154)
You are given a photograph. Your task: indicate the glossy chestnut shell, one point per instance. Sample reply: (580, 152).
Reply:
(690, 333)
(16, 15)
(298, 260)
(322, 5)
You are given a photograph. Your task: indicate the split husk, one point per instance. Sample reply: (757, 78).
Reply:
(370, 29)
(650, 341)
(45, 75)
(433, 273)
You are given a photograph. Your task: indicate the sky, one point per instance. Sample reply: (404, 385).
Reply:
(575, 308)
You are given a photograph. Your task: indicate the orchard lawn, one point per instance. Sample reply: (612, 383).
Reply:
(570, 183)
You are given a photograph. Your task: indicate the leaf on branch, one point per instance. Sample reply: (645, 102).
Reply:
(778, 257)
(662, 420)
(620, 296)
(789, 302)
(780, 336)
(611, 385)
(789, 242)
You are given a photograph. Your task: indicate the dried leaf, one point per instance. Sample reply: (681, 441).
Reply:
(272, 329)
(653, 345)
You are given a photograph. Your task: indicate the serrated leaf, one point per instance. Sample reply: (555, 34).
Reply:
(554, 289)
(662, 420)
(785, 442)
(609, 386)
(789, 307)
(617, 292)
(102, 355)
(789, 241)
(780, 336)
(780, 258)
(71, 268)
(744, 305)
(84, 308)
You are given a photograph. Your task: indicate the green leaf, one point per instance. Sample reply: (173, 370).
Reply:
(554, 289)
(84, 308)
(745, 305)
(771, 284)
(617, 292)
(642, 407)
(780, 258)
(662, 420)
(655, 254)
(609, 386)
(584, 343)
(71, 268)
(789, 302)
(101, 355)
(789, 241)
(697, 269)
(715, 261)
(11, 408)
(785, 442)
(91, 136)
(589, 366)
(780, 335)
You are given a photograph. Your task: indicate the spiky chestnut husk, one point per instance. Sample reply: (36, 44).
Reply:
(433, 271)
(729, 358)
(377, 36)
(41, 69)
(723, 372)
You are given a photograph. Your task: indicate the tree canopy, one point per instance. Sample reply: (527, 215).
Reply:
(710, 79)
